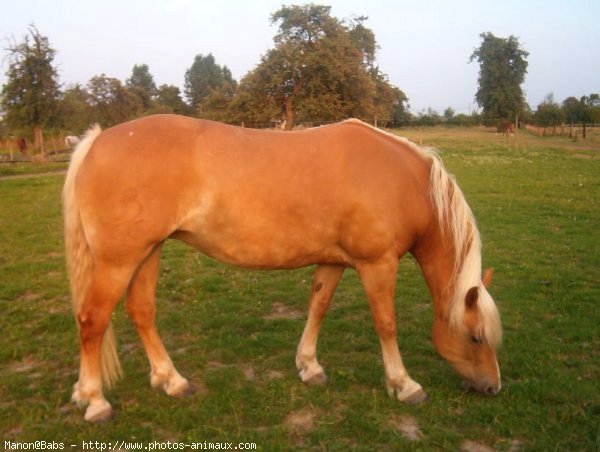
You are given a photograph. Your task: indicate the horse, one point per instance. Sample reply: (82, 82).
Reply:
(345, 195)
(71, 141)
(508, 128)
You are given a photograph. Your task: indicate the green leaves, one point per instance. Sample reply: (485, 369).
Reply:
(30, 97)
(502, 69)
(320, 70)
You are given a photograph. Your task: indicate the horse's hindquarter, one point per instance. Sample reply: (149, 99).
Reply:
(253, 198)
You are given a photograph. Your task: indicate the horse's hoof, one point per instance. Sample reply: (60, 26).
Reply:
(313, 377)
(98, 414)
(183, 389)
(416, 398)
(189, 391)
(316, 380)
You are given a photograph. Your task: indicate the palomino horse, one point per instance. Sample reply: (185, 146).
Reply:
(343, 195)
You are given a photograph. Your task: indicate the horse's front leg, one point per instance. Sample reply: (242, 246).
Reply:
(379, 282)
(325, 281)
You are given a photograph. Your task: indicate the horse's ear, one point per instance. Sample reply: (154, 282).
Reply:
(488, 274)
(471, 298)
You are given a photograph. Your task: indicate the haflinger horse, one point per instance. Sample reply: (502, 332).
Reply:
(338, 196)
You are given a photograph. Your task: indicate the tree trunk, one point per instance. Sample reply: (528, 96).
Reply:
(290, 116)
(38, 139)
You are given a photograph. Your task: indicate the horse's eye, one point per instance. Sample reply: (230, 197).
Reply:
(477, 340)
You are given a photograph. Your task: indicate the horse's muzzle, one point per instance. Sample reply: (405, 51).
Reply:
(484, 388)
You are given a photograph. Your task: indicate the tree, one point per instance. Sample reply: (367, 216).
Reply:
(502, 69)
(75, 112)
(30, 96)
(204, 76)
(142, 84)
(573, 109)
(216, 105)
(169, 97)
(112, 102)
(549, 113)
(320, 70)
(429, 117)
(591, 108)
(390, 102)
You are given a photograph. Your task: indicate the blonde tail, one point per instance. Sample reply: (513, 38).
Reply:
(79, 257)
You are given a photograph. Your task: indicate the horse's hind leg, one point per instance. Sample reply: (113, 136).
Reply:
(140, 306)
(379, 282)
(325, 281)
(106, 287)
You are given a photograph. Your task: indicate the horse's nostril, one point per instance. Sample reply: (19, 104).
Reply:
(492, 390)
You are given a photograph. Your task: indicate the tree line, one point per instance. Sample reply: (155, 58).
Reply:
(549, 113)
(320, 69)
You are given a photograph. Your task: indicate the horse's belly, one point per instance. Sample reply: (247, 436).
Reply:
(266, 252)
(256, 237)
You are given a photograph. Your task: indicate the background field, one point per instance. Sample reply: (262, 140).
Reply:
(234, 332)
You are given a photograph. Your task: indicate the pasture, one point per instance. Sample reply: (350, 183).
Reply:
(234, 332)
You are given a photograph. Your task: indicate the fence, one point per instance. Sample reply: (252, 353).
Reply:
(15, 150)
(572, 130)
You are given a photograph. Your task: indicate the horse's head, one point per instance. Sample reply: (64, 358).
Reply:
(470, 345)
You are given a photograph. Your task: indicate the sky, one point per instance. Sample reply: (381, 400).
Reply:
(424, 45)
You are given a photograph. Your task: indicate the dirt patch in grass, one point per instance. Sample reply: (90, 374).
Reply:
(248, 371)
(280, 311)
(475, 446)
(30, 296)
(407, 426)
(275, 375)
(583, 156)
(27, 364)
(300, 422)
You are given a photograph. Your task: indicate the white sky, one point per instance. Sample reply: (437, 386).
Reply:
(424, 45)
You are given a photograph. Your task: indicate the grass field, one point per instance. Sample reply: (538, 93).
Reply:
(234, 332)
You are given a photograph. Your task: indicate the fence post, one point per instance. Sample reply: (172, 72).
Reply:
(584, 130)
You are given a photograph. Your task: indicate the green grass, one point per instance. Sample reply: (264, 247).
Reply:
(22, 168)
(536, 202)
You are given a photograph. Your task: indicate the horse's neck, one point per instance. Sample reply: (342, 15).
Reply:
(436, 259)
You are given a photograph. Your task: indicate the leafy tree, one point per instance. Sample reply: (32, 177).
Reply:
(169, 98)
(216, 105)
(75, 111)
(591, 108)
(251, 104)
(549, 113)
(464, 120)
(574, 110)
(320, 69)
(204, 76)
(30, 96)
(363, 39)
(390, 103)
(112, 102)
(142, 84)
(429, 117)
(502, 69)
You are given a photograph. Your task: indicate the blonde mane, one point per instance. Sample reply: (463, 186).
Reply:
(457, 222)
(456, 217)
